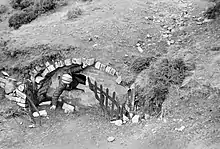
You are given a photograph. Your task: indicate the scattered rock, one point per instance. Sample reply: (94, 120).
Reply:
(111, 139)
(199, 23)
(149, 36)
(95, 45)
(166, 35)
(200, 19)
(9, 86)
(5, 73)
(170, 28)
(135, 119)
(154, 130)
(119, 80)
(180, 129)
(42, 113)
(149, 18)
(140, 49)
(68, 108)
(32, 126)
(45, 103)
(117, 122)
(131, 114)
(170, 42)
(96, 37)
(90, 39)
(208, 20)
(125, 119)
(138, 44)
(146, 116)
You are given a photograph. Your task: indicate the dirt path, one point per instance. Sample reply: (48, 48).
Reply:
(118, 26)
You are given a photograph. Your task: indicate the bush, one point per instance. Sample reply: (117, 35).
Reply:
(213, 12)
(45, 5)
(15, 4)
(3, 9)
(21, 4)
(141, 63)
(26, 3)
(61, 2)
(74, 13)
(169, 71)
(162, 75)
(31, 9)
(18, 19)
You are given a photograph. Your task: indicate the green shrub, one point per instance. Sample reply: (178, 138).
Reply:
(3, 9)
(26, 3)
(18, 19)
(21, 4)
(162, 75)
(61, 2)
(213, 12)
(15, 4)
(30, 11)
(141, 63)
(45, 5)
(169, 71)
(74, 13)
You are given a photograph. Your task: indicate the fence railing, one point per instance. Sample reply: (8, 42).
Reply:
(109, 104)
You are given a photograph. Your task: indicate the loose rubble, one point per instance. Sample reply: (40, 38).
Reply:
(110, 139)
(180, 129)
(42, 113)
(117, 122)
(68, 108)
(135, 119)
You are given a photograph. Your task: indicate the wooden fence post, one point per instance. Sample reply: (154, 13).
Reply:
(132, 99)
(106, 99)
(113, 104)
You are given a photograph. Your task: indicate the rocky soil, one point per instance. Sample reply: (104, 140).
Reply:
(167, 27)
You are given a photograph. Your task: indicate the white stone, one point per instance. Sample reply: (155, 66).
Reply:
(112, 71)
(5, 73)
(111, 139)
(90, 61)
(16, 99)
(20, 94)
(47, 64)
(68, 108)
(102, 67)
(97, 65)
(117, 122)
(125, 118)
(38, 79)
(23, 105)
(42, 113)
(78, 61)
(9, 86)
(2, 85)
(68, 62)
(32, 126)
(180, 129)
(140, 49)
(46, 71)
(146, 116)
(135, 119)
(95, 45)
(45, 103)
(107, 69)
(131, 114)
(118, 80)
